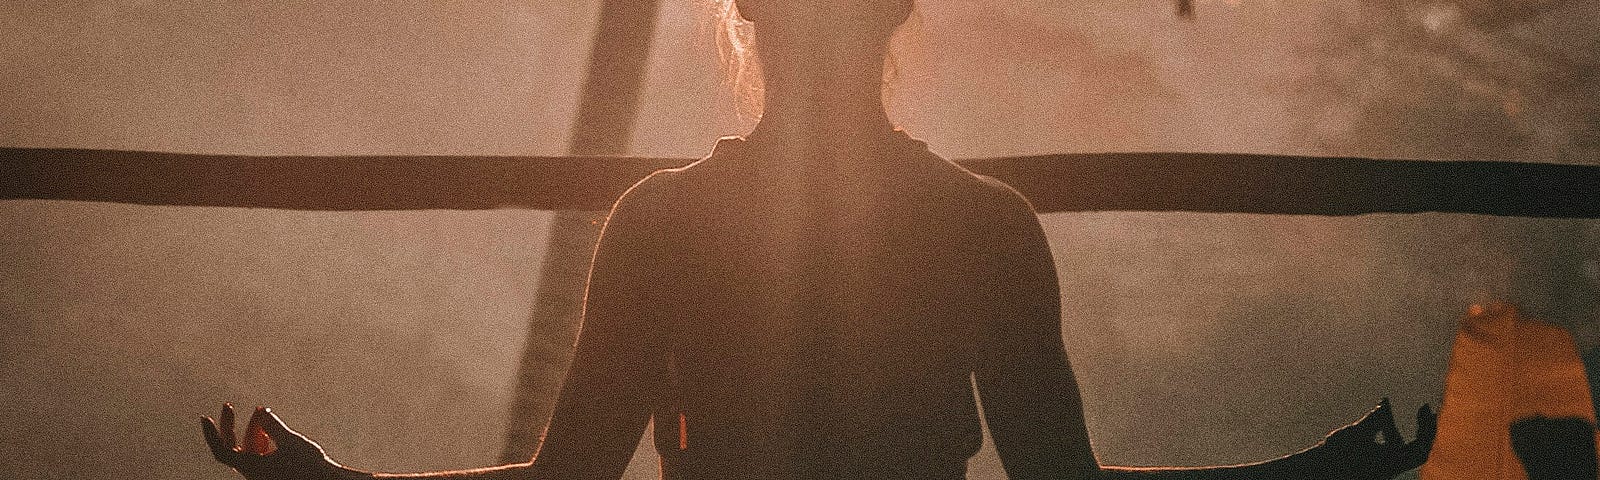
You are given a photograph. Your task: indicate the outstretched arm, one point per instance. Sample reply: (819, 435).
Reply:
(1034, 410)
(270, 450)
(1347, 453)
(606, 399)
(604, 403)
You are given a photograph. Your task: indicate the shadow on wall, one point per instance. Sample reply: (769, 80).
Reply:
(1555, 448)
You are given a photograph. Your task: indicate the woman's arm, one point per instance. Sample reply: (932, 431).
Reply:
(603, 407)
(1347, 453)
(270, 450)
(1029, 394)
(1034, 410)
(606, 400)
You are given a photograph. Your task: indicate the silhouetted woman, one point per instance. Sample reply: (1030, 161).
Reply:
(816, 301)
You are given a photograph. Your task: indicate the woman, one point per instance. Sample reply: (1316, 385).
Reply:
(818, 299)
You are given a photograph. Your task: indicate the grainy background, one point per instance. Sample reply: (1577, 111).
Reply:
(392, 337)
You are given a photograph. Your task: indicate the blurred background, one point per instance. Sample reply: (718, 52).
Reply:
(393, 338)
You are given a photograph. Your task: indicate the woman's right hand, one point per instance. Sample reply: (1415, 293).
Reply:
(1353, 452)
(269, 449)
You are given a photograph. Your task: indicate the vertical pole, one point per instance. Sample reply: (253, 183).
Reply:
(618, 57)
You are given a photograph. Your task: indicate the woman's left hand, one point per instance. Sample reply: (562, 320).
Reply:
(269, 450)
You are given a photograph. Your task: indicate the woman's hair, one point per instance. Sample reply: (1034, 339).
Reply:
(741, 69)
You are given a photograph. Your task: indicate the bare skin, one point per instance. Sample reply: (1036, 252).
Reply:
(820, 300)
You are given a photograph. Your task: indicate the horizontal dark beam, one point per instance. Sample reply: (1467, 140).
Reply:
(1275, 184)
(1265, 184)
(321, 183)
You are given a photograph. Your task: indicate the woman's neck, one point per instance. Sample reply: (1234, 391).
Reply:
(819, 104)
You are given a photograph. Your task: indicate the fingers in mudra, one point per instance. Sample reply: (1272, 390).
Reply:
(256, 439)
(269, 448)
(1377, 424)
(224, 446)
(1374, 446)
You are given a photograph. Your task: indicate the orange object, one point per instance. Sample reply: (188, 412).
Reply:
(683, 432)
(1503, 368)
(256, 439)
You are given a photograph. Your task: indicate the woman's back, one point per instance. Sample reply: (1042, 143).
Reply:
(819, 304)
(819, 322)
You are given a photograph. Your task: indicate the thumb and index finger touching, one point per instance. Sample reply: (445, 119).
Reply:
(1413, 453)
(265, 434)
(1380, 419)
(278, 432)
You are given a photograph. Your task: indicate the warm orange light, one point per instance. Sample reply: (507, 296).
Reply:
(256, 439)
(683, 432)
(1504, 367)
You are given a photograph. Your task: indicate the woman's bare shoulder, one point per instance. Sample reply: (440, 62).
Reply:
(646, 198)
(995, 196)
(1008, 198)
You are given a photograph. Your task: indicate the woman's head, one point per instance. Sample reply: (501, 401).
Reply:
(804, 40)
(864, 18)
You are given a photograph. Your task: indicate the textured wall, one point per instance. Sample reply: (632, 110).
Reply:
(392, 337)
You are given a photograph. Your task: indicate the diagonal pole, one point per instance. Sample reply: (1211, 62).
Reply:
(607, 110)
